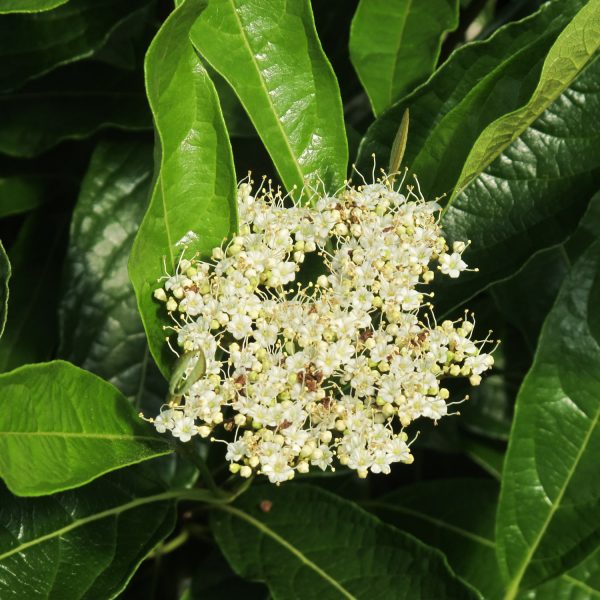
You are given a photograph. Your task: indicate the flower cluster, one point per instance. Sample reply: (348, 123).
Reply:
(301, 374)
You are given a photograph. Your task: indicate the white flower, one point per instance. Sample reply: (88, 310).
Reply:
(276, 468)
(240, 326)
(452, 264)
(184, 428)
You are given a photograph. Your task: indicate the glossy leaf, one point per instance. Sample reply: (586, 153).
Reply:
(4, 290)
(395, 45)
(195, 183)
(271, 56)
(550, 500)
(455, 515)
(31, 45)
(573, 50)
(71, 103)
(547, 154)
(19, 194)
(307, 543)
(31, 331)
(84, 543)
(527, 186)
(480, 82)
(580, 583)
(101, 329)
(29, 6)
(71, 425)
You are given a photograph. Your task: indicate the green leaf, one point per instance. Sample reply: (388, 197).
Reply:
(570, 54)
(19, 194)
(478, 83)
(36, 261)
(29, 6)
(457, 516)
(550, 499)
(306, 543)
(71, 425)
(101, 329)
(71, 103)
(34, 44)
(532, 196)
(84, 543)
(4, 292)
(195, 188)
(580, 583)
(273, 59)
(395, 45)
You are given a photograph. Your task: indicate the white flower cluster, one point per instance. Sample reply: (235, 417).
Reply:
(302, 374)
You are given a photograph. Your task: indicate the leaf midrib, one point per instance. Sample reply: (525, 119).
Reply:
(84, 435)
(193, 494)
(289, 547)
(266, 92)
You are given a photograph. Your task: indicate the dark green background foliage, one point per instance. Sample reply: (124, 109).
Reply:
(125, 124)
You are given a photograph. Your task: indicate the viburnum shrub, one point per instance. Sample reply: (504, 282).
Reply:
(255, 254)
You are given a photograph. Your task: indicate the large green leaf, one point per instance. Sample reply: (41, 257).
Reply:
(455, 515)
(272, 57)
(4, 279)
(71, 103)
(550, 500)
(533, 195)
(19, 194)
(306, 543)
(571, 53)
(101, 329)
(479, 83)
(70, 425)
(580, 583)
(84, 543)
(36, 260)
(195, 183)
(33, 44)
(29, 6)
(395, 45)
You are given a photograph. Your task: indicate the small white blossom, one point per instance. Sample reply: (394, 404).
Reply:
(452, 264)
